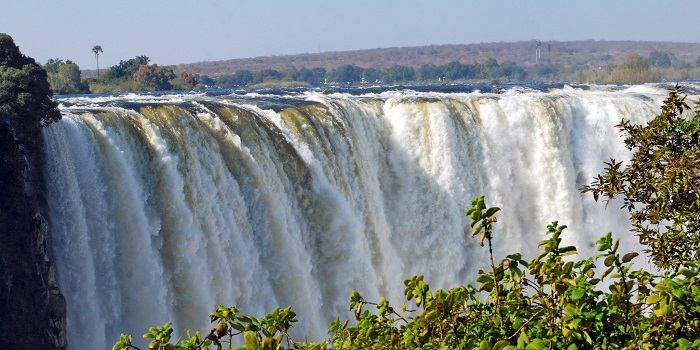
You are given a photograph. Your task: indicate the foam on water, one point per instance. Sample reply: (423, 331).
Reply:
(161, 211)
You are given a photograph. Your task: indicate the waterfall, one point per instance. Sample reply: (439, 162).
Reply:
(161, 207)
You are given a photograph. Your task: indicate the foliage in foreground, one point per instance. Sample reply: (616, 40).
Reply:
(661, 184)
(551, 302)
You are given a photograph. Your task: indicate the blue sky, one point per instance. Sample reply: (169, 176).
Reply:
(179, 31)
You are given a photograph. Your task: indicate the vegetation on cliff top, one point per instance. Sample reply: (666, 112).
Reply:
(25, 94)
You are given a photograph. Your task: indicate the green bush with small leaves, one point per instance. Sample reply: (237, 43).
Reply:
(661, 184)
(551, 302)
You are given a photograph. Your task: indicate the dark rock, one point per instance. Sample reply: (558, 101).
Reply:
(32, 310)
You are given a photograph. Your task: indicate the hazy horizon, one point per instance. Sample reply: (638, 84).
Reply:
(180, 32)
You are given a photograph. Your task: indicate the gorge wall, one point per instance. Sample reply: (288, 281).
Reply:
(32, 310)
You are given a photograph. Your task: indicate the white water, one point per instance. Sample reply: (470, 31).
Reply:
(163, 210)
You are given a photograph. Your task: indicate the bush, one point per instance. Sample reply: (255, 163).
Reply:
(661, 184)
(25, 94)
(552, 302)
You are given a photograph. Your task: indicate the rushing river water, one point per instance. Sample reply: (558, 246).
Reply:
(164, 205)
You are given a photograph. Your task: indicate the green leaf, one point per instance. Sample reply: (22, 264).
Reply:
(488, 286)
(629, 256)
(687, 273)
(484, 278)
(523, 339)
(678, 293)
(485, 345)
(516, 273)
(577, 294)
(607, 272)
(490, 212)
(501, 344)
(477, 229)
(567, 268)
(653, 299)
(568, 250)
(587, 336)
(251, 342)
(533, 346)
(570, 310)
(609, 260)
(605, 242)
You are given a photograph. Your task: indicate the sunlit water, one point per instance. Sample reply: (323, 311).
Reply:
(164, 205)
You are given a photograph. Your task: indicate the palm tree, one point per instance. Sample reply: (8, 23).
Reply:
(97, 49)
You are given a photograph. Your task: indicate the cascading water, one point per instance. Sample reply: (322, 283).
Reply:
(162, 207)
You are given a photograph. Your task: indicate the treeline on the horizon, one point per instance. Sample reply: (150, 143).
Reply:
(137, 74)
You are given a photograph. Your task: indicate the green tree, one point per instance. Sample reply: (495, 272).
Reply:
(266, 75)
(52, 64)
(312, 76)
(488, 69)
(154, 78)
(184, 81)
(24, 90)
(635, 62)
(346, 74)
(319, 74)
(633, 69)
(661, 184)
(371, 75)
(545, 71)
(291, 74)
(429, 72)
(512, 71)
(398, 74)
(240, 78)
(456, 70)
(65, 77)
(97, 50)
(660, 59)
(204, 80)
(125, 69)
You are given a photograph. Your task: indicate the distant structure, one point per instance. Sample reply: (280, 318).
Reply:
(538, 52)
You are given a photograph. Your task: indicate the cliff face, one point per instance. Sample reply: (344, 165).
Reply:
(32, 310)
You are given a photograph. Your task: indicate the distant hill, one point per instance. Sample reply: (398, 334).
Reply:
(588, 53)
